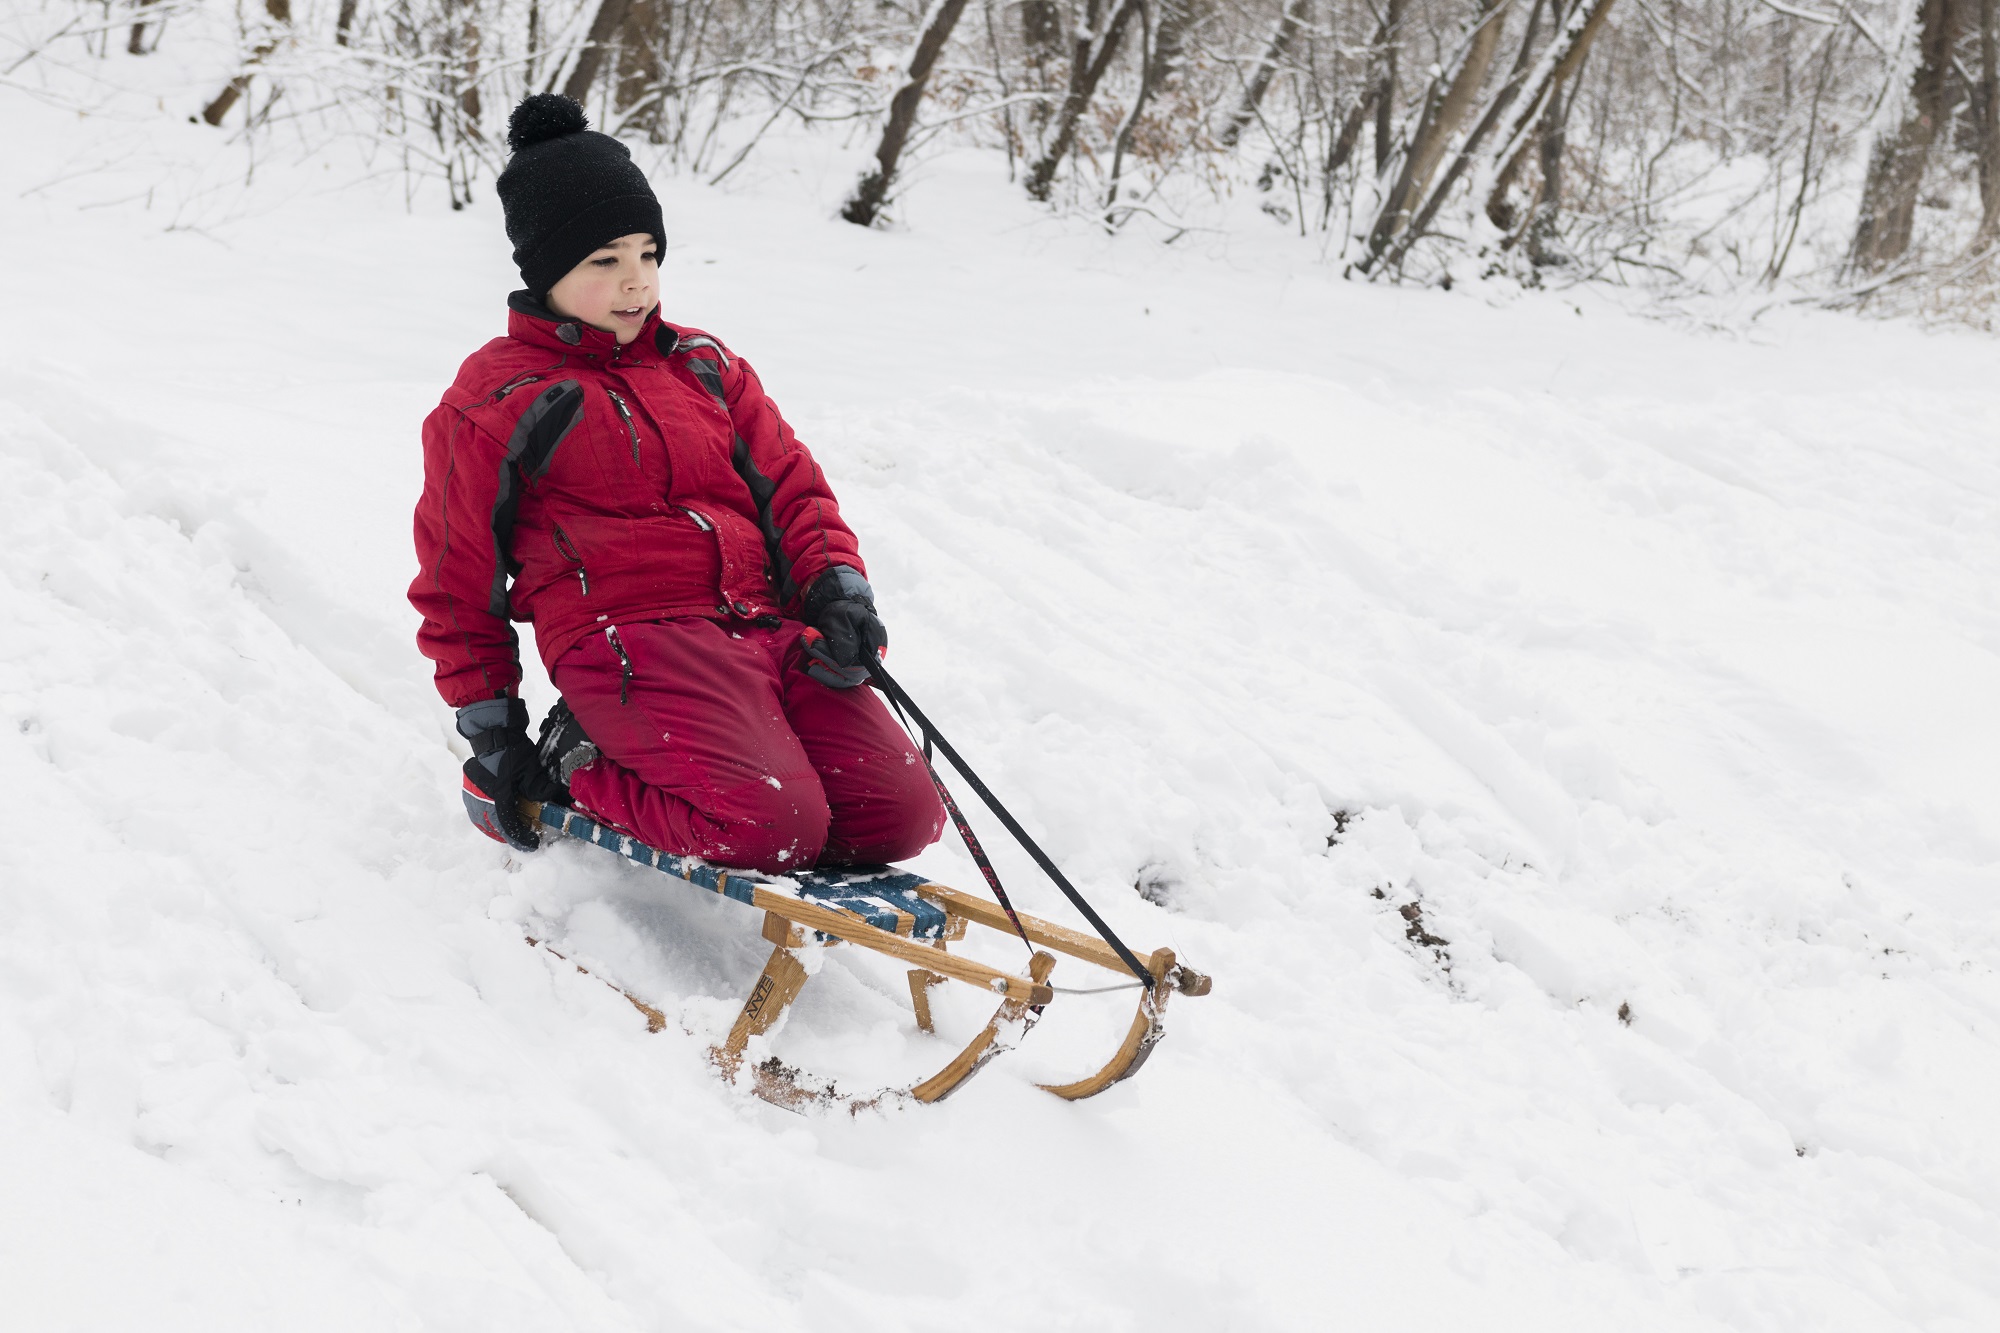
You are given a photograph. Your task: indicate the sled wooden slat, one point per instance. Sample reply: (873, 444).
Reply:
(1087, 948)
(888, 898)
(855, 929)
(1063, 940)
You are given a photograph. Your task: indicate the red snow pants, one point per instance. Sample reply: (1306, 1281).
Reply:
(721, 747)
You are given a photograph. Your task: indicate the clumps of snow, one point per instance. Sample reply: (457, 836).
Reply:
(1156, 885)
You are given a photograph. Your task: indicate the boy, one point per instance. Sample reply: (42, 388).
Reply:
(624, 485)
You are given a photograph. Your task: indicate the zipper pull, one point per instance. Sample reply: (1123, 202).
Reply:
(567, 550)
(625, 415)
(624, 661)
(512, 385)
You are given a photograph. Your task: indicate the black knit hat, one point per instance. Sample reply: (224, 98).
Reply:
(568, 190)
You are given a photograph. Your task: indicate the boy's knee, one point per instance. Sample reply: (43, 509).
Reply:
(778, 828)
(891, 824)
(905, 839)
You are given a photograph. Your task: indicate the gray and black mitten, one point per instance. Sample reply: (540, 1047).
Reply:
(506, 766)
(843, 632)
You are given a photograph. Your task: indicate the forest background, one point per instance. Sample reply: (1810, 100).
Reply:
(1760, 151)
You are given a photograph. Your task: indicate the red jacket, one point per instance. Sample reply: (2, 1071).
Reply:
(608, 484)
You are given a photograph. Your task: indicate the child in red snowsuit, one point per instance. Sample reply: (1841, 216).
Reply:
(624, 485)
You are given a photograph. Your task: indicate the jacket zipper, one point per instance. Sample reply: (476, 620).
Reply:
(567, 549)
(625, 415)
(700, 519)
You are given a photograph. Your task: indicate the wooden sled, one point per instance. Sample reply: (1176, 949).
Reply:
(908, 918)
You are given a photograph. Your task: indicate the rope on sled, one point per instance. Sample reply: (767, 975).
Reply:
(900, 700)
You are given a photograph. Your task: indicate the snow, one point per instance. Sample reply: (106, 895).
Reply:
(1651, 669)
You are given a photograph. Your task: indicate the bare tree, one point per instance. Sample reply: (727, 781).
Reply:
(280, 14)
(1290, 21)
(1090, 57)
(1902, 151)
(1388, 46)
(865, 204)
(1171, 22)
(1822, 152)
(604, 26)
(1543, 112)
(135, 44)
(1447, 102)
(1989, 125)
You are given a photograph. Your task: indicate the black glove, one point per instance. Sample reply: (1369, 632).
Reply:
(844, 634)
(506, 766)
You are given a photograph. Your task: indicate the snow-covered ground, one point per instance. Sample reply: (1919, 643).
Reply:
(1653, 672)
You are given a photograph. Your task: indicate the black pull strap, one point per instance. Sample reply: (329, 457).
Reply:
(898, 696)
(965, 832)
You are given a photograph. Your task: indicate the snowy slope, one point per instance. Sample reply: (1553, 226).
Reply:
(1654, 672)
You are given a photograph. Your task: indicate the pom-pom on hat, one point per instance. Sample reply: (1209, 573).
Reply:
(567, 190)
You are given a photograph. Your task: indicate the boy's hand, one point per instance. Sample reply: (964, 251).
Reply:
(506, 766)
(841, 608)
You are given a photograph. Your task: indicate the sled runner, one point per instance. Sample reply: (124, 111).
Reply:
(905, 917)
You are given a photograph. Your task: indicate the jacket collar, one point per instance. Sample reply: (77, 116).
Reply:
(532, 322)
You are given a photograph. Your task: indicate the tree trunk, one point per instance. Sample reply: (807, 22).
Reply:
(1552, 73)
(1543, 84)
(280, 11)
(343, 26)
(1290, 20)
(1499, 209)
(1170, 32)
(1122, 143)
(135, 45)
(1086, 72)
(1350, 133)
(1357, 114)
(603, 27)
(1902, 151)
(1446, 105)
(1391, 46)
(1989, 123)
(1041, 31)
(641, 51)
(534, 52)
(1543, 250)
(870, 192)
(1343, 148)
(468, 95)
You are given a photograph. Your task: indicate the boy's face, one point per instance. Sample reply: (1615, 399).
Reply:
(614, 289)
